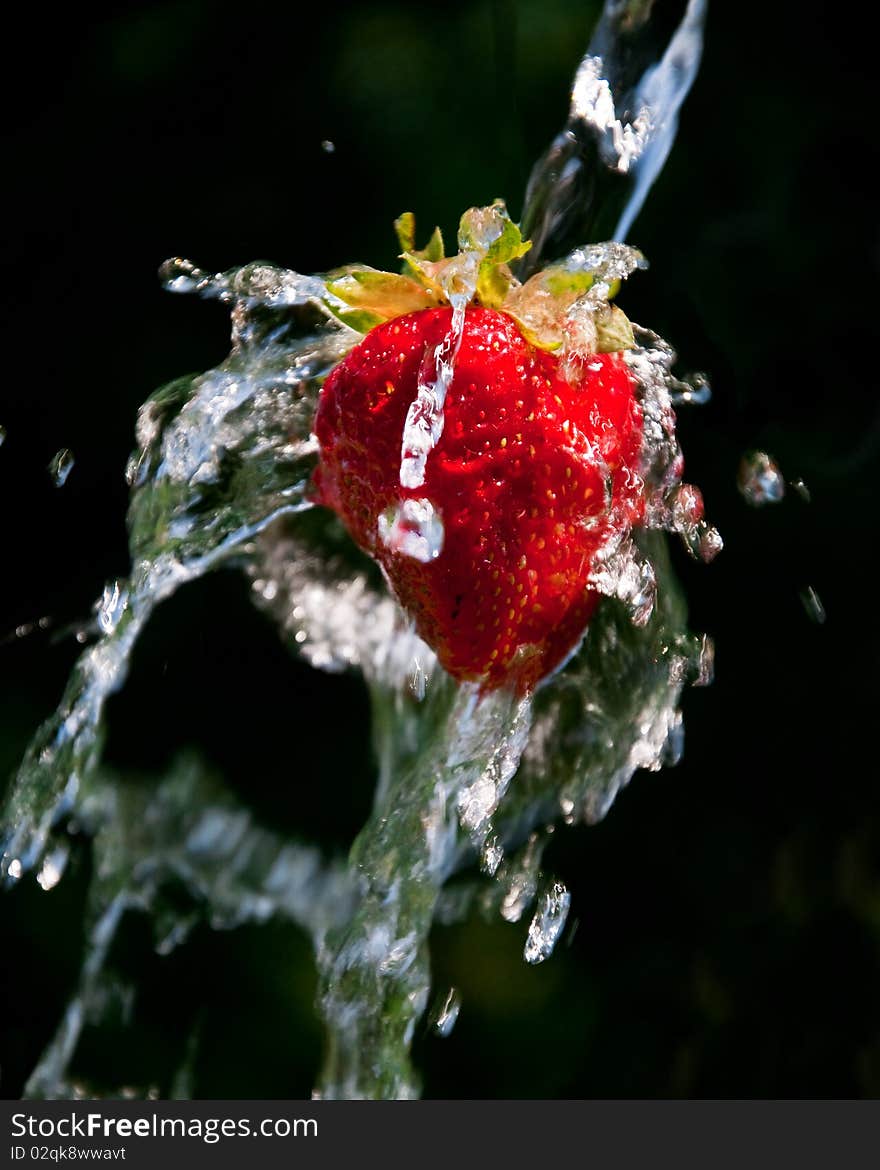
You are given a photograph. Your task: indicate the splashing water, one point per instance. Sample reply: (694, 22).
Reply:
(759, 479)
(812, 603)
(444, 1015)
(547, 924)
(60, 467)
(424, 421)
(802, 490)
(596, 174)
(188, 829)
(458, 279)
(467, 783)
(413, 528)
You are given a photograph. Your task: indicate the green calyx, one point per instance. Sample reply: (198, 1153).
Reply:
(577, 289)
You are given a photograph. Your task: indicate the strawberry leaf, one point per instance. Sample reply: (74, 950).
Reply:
(434, 249)
(560, 281)
(433, 252)
(491, 231)
(405, 228)
(613, 330)
(383, 294)
(425, 271)
(493, 284)
(358, 319)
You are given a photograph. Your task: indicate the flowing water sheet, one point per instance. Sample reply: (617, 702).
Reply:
(467, 785)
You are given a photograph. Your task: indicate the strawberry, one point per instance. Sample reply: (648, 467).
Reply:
(478, 453)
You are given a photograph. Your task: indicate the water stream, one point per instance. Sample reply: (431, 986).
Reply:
(219, 477)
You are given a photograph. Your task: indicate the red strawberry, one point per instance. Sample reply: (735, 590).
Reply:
(535, 468)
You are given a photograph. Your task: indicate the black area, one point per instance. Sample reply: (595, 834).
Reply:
(212, 675)
(42, 935)
(245, 992)
(728, 925)
(258, 1033)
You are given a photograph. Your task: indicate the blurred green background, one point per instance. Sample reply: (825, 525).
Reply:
(728, 912)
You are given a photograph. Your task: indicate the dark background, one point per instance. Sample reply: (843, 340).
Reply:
(728, 939)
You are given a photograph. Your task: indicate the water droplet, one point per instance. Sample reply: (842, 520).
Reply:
(425, 418)
(111, 607)
(521, 879)
(672, 751)
(418, 682)
(692, 390)
(547, 923)
(53, 868)
(622, 572)
(413, 528)
(671, 504)
(445, 1012)
(759, 479)
(61, 467)
(477, 802)
(801, 488)
(703, 541)
(567, 807)
(491, 856)
(705, 663)
(687, 507)
(182, 276)
(812, 603)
